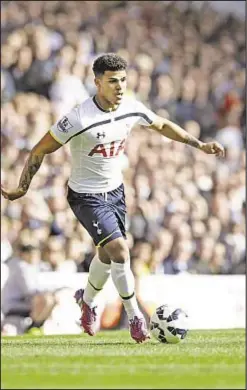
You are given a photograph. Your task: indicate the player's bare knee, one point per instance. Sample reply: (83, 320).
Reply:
(103, 255)
(117, 250)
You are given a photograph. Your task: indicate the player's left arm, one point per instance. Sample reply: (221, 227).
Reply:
(176, 133)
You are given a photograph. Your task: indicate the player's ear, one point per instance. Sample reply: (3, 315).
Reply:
(97, 82)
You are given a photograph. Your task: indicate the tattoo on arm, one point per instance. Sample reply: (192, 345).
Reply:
(32, 166)
(176, 133)
(192, 141)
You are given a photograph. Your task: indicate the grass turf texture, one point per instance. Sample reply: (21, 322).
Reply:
(112, 360)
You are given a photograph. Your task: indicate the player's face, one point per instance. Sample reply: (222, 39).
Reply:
(112, 85)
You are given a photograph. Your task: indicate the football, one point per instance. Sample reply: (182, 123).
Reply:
(169, 325)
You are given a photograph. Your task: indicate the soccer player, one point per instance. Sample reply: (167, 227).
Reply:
(97, 130)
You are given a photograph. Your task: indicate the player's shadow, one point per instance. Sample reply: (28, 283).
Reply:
(118, 343)
(98, 343)
(71, 344)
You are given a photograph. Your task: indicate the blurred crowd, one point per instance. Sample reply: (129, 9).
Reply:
(186, 210)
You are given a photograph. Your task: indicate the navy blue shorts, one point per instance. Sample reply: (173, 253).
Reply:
(102, 215)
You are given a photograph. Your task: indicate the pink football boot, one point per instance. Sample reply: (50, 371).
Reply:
(89, 315)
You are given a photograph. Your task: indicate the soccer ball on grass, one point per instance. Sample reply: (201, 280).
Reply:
(169, 325)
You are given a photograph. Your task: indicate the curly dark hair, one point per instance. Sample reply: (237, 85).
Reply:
(109, 61)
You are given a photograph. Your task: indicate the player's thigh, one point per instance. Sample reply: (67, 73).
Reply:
(97, 217)
(117, 197)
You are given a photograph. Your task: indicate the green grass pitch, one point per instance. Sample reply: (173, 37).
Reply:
(212, 359)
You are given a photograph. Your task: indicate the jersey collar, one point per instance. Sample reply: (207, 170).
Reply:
(100, 108)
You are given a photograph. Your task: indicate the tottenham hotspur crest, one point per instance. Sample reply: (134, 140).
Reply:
(96, 225)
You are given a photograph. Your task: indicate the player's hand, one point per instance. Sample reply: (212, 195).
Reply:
(14, 194)
(213, 148)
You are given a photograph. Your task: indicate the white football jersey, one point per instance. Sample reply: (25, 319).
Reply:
(97, 140)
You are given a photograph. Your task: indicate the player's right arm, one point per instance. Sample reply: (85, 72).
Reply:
(60, 133)
(46, 145)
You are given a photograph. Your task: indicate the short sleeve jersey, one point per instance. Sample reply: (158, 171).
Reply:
(97, 140)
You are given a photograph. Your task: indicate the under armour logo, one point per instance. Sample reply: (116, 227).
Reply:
(96, 225)
(101, 135)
